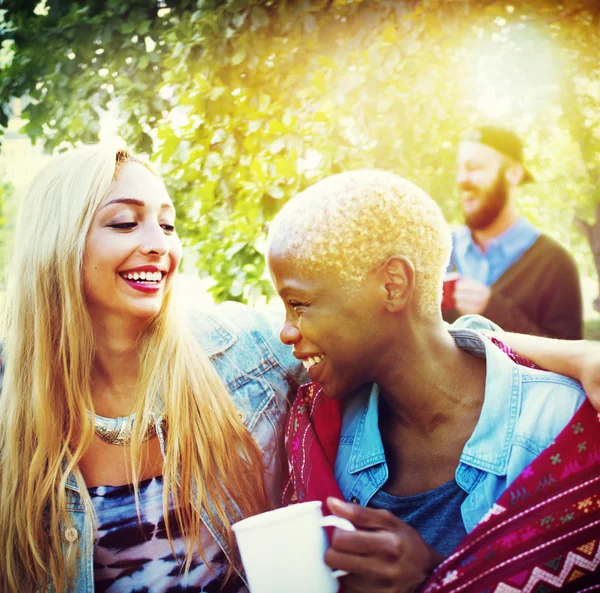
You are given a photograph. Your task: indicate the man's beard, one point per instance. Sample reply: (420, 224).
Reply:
(491, 205)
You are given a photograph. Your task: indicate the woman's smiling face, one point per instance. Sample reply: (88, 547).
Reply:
(132, 249)
(333, 331)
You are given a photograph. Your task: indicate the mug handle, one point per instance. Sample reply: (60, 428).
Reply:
(340, 523)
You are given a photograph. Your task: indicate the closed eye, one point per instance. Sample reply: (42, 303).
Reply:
(296, 305)
(123, 225)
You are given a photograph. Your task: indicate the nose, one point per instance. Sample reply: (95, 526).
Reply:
(462, 178)
(289, 334)
(154, 241)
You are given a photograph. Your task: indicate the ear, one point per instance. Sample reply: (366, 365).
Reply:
(514, 174)
(397, 277)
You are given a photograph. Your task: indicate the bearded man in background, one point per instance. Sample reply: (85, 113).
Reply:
(509, 271)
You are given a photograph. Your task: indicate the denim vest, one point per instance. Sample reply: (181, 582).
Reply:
(523, 411)
(262, 376)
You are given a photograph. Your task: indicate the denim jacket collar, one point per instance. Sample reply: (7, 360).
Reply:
(502, 392)
(367, 450)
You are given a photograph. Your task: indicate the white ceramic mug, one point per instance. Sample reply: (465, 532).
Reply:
(283, 550)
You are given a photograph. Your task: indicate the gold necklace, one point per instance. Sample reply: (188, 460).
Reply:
(117, 431)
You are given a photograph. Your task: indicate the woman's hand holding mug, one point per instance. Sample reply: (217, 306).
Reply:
(383, 554)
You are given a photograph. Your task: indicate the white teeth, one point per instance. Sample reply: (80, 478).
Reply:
(144, 276)
(312, 361)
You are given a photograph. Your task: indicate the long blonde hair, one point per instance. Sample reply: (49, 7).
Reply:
(48, 354)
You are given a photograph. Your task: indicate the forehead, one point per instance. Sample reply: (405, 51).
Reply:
(478, 153)
(291, 273)
(283, 265)
(134, 180)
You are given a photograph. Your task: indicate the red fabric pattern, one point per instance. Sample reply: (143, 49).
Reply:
(312, 437)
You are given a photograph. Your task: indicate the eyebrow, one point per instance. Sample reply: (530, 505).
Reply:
(134, 202)
(290, 291)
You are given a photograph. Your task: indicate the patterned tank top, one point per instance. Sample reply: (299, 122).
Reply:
(135, 557)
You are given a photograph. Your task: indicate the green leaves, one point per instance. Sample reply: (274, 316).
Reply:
(246, 102)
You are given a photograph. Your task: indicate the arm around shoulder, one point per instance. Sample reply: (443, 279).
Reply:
(579, 359)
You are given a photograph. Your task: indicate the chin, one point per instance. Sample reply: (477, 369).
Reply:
(145, 313)
(336, 392)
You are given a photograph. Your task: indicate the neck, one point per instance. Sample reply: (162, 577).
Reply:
(431, 384)
(115, 367)
(502, 223)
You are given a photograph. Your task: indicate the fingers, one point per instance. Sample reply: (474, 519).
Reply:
(372, 543)
(384, 555)
(362, 517)
(468, 288)
(471, 296)
(468, 284)
(398, 574)
(367, 567)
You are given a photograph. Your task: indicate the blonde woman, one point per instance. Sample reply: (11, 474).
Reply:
(129, 440)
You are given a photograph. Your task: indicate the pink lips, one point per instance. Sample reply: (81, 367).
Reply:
(147, 288)
(142, 286)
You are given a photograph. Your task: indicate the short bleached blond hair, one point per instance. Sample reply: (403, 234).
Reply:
(348, 224)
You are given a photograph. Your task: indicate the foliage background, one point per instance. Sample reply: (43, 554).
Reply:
(243, 103)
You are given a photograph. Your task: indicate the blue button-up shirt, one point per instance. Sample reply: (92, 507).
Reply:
(523, 411)
(501, 252)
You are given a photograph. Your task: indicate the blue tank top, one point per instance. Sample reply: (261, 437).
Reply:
(434, 514)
